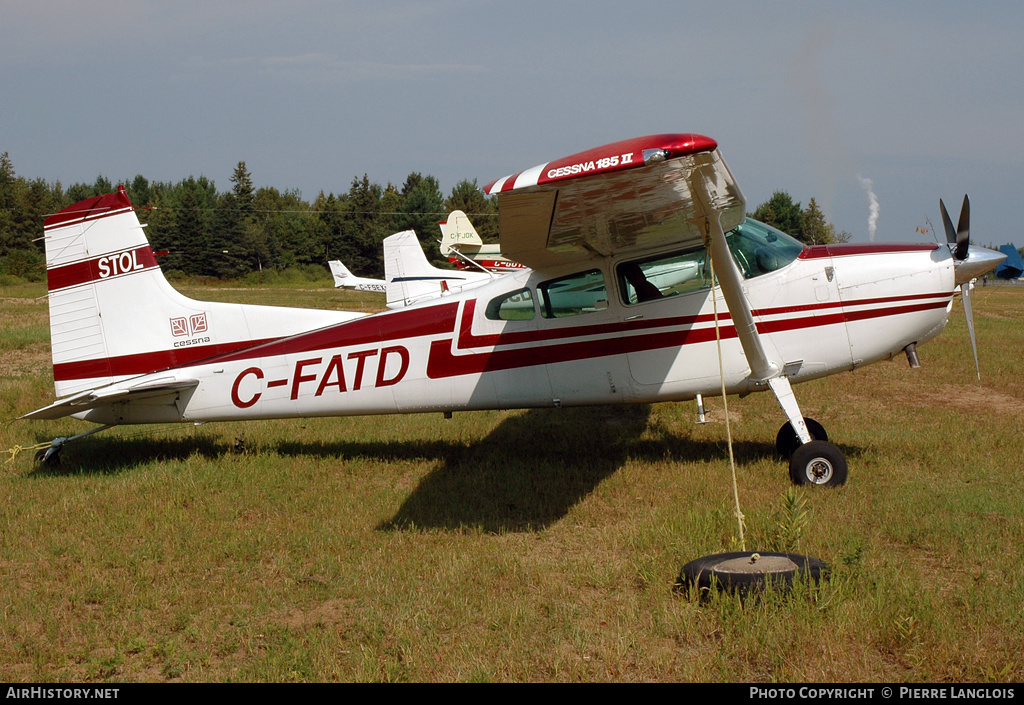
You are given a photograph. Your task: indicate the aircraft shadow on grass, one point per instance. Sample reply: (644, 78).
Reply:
(525, 475)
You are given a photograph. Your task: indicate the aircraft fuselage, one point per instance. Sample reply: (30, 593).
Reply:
(831, 309)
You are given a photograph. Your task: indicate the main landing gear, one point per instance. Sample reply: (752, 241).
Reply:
(812, 459)
(817, 462)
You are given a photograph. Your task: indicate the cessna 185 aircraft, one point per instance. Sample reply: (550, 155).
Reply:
(579, 325)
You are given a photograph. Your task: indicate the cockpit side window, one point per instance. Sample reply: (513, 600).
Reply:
(756, 248)
(573, 295)
(666, 275)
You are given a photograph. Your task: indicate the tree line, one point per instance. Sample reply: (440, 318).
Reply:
(200, 231)
(808, 225)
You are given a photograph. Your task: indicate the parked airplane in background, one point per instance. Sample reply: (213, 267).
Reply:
(408, 277)
(464, 248)
(345, 279)
(579, 325)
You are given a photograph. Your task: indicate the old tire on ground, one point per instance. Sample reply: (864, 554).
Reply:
(748, 572)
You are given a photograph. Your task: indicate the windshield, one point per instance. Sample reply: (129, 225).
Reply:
(759, 248)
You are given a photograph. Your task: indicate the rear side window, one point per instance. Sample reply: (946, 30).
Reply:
(573, 295)
(517, 306)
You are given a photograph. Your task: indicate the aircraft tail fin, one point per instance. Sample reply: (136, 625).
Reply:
(344, 278)
(411, 278)
(340, 272)
(113, 315)
(458, 234)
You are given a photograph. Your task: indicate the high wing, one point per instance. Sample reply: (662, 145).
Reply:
(560, 212)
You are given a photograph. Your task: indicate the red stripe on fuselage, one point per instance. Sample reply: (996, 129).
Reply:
(443, 361)
(468, 339)
(414, 323)
(401, 324)
(143, 363)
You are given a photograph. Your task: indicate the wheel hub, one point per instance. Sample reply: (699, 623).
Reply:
(819, 471)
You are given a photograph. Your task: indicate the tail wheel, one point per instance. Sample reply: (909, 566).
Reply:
(818, 463)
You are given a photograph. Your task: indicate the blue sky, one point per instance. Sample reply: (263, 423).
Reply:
(923, 99)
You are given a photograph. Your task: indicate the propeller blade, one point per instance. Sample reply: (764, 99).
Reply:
(965, 293)
(963, 230)
(948, 224)
(960, 237)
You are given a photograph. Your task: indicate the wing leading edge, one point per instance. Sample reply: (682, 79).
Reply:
(624, 197)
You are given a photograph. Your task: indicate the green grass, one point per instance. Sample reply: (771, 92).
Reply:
(519, 546)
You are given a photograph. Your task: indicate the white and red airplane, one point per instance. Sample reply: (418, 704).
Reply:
(580, 326)
(408, 277)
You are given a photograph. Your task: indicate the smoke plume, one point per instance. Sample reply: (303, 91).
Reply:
(872, 206)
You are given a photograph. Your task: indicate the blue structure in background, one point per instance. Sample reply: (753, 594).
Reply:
(1013, 266)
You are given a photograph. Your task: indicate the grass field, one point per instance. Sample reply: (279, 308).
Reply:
(519, 546)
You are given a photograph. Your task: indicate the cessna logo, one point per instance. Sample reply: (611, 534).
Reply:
(193, 325)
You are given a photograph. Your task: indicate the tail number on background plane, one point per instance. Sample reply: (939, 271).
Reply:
(331, 376)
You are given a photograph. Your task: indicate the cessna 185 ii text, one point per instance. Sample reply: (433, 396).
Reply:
(581, 323)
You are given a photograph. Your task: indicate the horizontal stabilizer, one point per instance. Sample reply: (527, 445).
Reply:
(111, 395)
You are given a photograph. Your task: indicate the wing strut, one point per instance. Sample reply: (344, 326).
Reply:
(761, 368)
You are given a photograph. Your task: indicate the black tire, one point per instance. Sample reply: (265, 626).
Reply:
(818, 463)
(51, 461)
(786, 442)
(736, 572)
